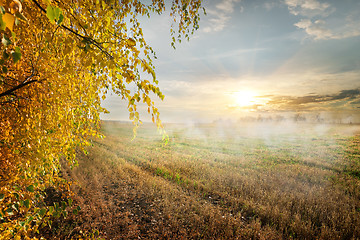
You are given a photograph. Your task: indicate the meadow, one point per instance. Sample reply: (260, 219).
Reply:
(221, 181)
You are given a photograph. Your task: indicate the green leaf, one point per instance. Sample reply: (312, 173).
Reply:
(42, 212)
(5, 55)
(70, 201)
(51, 209)
(16, 196)
(61, 19)
(26, 203)
(2, 23)
(57, 12)
(65, 213)
(50, 13)
(76, 210)
(4, 69)
(2, 196)
(30, 188)
(16, 55)
(29, 219)
(54, 13)
(63, 205)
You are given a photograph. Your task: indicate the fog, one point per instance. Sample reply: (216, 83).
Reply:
(267, 130)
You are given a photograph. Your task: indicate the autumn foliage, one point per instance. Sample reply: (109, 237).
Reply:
(58, 60)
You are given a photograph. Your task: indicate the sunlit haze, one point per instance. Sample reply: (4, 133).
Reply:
(244, 98)
(273, 58)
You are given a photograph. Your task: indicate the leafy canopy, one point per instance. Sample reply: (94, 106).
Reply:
(58, 60)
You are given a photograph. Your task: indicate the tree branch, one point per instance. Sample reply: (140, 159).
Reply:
(90, 40)
(26, 82)
(12, 90)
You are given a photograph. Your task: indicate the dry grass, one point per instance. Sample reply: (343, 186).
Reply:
(220, 183)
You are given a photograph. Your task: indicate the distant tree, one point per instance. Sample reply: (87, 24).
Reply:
(269, 119)
(318, 118)
(247, 119)
(58, 61)
(279, 118)
(299, 118)
(260, 118)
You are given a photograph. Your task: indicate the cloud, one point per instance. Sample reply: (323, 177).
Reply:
(317, 18)
(315, 102)
(309, 104)
(316, 29)
(217, 23)
(351, 27)
(227, 6)
(309, 8)
(340, 101)
(220, 16)
(319, 30)
(346, 94)
(270, 5)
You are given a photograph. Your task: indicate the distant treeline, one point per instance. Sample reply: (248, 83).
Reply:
(298, 117)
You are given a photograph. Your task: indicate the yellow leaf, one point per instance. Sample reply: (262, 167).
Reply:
(148, 100)
(9, 20)
(77, 60)
(46, 2)
(15, 6)
(131, 42)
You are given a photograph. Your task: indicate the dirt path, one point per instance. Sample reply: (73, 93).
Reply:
(118, 207)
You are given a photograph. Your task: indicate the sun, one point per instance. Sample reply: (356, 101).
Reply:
(245, 98)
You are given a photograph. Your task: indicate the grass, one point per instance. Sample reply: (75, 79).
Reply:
(216, 182)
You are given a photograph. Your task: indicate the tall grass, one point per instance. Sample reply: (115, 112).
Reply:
(211, 182)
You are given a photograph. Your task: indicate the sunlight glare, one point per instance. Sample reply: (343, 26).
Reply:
(245, 98)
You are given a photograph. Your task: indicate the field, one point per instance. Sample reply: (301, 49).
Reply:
(221, 181)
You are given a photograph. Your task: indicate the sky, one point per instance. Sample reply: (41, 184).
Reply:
(258, 58)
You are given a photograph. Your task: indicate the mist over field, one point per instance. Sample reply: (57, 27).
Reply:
(265, 130)
(223, 180)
